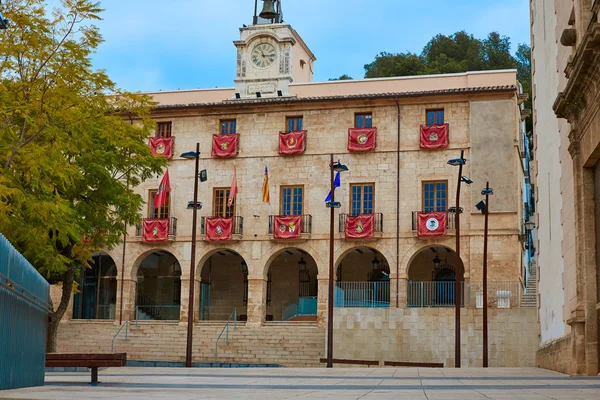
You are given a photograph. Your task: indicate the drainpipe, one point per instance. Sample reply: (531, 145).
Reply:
(398, 212)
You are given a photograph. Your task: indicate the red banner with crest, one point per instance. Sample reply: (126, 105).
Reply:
(434, 136)
(155, 230)
(162, 146)
(432, 223)
(287, 226)
(292, 142)
(219, 229)
(362, 139)
(360, 226)
(225, 145)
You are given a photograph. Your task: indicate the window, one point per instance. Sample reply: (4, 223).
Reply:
(220, 198)
(228, 126)
(164, 129)
(293, 124)
(435, 196)
(363, 120)
(435, 117)
(361, 198)
(162, 212)
(292, 200)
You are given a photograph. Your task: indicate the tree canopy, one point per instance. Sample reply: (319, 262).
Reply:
(459, 52)
(72, 144)
(344, 77)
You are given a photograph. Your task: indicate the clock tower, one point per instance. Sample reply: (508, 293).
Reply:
(270, 55)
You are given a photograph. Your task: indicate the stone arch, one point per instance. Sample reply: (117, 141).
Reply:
(277, 249)
(142, 256)
(97, 296)
(158, 294)
(223, 273)
(409, 255)
(371, 251)
(215, 250)
(292, 285)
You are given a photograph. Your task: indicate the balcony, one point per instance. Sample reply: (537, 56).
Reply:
(304, 233)
(155, 230)
(451, 224)
(377, 226)
(237, 226)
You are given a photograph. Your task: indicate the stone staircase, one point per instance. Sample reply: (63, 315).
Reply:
(290, 344)
(529, 298)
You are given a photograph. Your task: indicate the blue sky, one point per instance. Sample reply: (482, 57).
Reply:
(184, 44)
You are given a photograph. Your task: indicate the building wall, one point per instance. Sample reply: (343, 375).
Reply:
(549, 154)
(427, 335)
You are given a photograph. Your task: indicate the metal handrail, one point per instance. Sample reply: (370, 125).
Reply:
(226, 330)
(126, 325)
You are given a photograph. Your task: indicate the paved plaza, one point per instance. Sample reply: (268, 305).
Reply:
(288, 383)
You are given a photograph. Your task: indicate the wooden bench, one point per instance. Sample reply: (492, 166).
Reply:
(351, 362)
(92, 361)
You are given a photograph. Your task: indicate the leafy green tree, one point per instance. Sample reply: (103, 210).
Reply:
(72, 145)
(403, 64)
(344, 77)
(523, 57)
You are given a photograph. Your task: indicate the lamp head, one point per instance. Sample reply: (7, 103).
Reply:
(466, 180)
(203, 175)
(453, 210)
(487, 191)
(339, 167)
(190, 155)
(190, 205)
(457, 161)
(481, 206)
(530, 225)
(333, 204)
(3, 22)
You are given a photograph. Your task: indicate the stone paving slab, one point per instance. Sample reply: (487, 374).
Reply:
(314, 383)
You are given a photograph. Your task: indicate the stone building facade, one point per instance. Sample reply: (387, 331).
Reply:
(565, 44)
(271, 281)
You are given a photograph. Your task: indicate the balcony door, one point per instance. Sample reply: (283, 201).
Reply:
(162, 212)
(362, 198)
(292, 200)
(435, 196)
(220, 208)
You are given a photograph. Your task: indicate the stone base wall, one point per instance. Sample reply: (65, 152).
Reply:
(556, 355)
(427, 335)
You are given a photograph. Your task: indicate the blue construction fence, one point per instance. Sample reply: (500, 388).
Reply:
(24, 308)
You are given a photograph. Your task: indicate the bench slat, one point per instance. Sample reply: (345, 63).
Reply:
(85, 356)
(413, 364)
(345, 361)
(85, 363)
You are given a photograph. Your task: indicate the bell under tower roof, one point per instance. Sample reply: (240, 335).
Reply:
(269, 13)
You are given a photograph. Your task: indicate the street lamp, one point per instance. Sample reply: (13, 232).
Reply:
(195, 205)
(332, 205)
(484, 207)
(459, 162)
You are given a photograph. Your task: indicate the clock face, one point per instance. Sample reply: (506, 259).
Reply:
(263, 55)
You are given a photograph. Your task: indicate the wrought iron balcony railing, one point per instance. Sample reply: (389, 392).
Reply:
(172, 226)
(306, 224)
(237, 225)
(451, 220)
(378, 222)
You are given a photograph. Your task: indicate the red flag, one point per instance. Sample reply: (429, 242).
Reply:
(155, 230)
(360, 226)
(233, 190)
(362, 139)
(287, 226)
(433, 223)
(161, 146)
(165, 187)
(434, 136)
(225, 145)
(219, 229)
(292, 142)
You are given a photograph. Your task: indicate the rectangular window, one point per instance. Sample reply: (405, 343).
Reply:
(228, 126)
(163, 129)
(363, 120)
(435, 196)
(292, 199)
(220, 198)
(435, 117)
(362, 198)
(293, 124)
(162, 212)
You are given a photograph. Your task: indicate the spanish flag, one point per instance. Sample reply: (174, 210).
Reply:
(234, 189)
(266, 196)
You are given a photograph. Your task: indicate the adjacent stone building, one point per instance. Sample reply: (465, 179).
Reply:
(394, 242)
(566, 72)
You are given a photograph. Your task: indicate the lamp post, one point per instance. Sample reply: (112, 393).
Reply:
(333, 167)
(190, 328)
(457, 292)
(484, 207)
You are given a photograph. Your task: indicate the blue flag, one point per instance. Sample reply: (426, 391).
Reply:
(336, 184)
